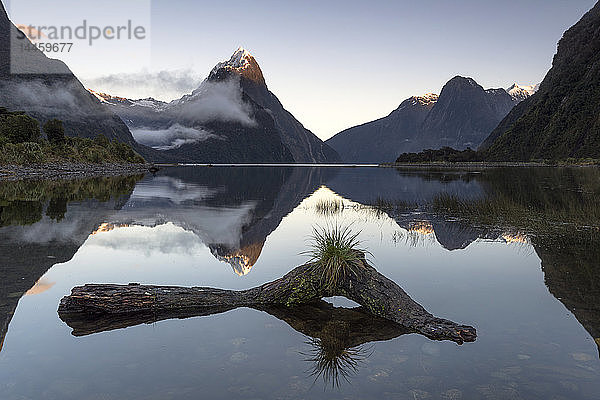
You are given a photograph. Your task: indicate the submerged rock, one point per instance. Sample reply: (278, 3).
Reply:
(452, 394)
(238, 357)
(582, 357)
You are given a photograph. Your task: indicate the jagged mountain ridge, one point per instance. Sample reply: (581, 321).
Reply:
(148, 102)
(241, 63)
(462, 116)
(561, 119)
(259, 129)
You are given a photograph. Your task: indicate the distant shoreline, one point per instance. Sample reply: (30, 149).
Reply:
(79, 170)
(427, 165)
(294, 165)
(488, 165)
(69, 171)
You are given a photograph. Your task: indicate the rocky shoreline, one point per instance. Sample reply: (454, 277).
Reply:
(70, 171)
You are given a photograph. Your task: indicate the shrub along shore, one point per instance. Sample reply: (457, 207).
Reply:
(25, 154)
(447, 156)
(21, 144)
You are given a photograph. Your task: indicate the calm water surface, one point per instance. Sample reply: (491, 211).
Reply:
(532, 291)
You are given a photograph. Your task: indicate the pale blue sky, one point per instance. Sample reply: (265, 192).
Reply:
(335, 64)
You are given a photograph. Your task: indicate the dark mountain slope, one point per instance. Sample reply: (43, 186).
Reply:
(462, 116)
(304, 145)
(47, 89)
(381, 140)
(237, 143)
(562, 119)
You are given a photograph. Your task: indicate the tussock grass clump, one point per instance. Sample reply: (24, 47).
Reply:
(335, 251)
(329, 207)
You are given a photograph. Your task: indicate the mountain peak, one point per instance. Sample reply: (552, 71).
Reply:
(240, 58)
(241, 63)
(462, 81)
(521, 92)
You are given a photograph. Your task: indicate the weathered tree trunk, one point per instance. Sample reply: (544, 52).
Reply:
(377, 294)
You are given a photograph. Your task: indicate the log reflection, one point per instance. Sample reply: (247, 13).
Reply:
(338, 337)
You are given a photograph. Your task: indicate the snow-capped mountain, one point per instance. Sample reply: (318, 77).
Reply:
(521, 92)
(241, 63)
(304, 145)
(122, 101)
(231, 117)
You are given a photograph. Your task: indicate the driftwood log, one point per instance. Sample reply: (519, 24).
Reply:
(94, 308)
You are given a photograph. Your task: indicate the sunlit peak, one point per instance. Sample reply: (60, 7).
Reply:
(515, 238)
(107, 227)
(422, 227)
(40, 287)
(242, 260)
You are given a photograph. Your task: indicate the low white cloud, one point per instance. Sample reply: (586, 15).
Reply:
(220, 100)
(161, 85)
(171, 138)
(39, 96)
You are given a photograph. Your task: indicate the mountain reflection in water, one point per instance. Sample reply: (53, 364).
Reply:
(233, 211)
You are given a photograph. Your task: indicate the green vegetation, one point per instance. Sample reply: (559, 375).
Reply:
(558, 210)
(55, 132)
(561, 120)
(21, 144)
(335, 252)
(445, 154)
(450, 155)
(508, 213)
(76, 150)
(374, 210)
(17, 127)
(580, 161)
(24, 202)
